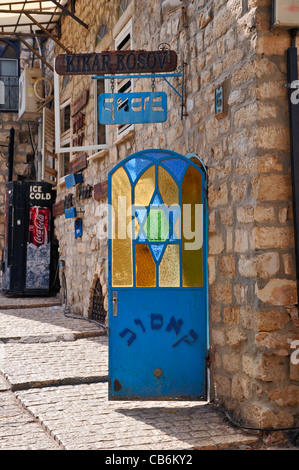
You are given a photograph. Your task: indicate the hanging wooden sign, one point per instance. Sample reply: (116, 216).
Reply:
(116, 62)
(100, 190)
(58, 208)
(79, 103)
(78, 122)
(79, 163)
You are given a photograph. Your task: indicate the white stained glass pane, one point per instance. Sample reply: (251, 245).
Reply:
(8, 67)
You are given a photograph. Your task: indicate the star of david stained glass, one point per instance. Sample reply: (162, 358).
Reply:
(156, 187)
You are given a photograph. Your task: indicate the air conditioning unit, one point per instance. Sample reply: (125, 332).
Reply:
(28, 101)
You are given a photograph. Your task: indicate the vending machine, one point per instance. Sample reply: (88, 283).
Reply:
(27, 261)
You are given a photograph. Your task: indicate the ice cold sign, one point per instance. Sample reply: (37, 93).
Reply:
(36, 193)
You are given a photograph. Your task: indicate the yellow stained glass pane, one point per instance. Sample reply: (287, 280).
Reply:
(168, 188)
(169, 268)
(192, 229)
(122, 259)
(145, 267)
(145, 187)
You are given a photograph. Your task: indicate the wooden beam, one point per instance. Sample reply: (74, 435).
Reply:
(47, 32)
(21, 2)
(70, 14)
(34, 51)
(34, 12)
(116, 62)
(17, 23)
(22, 26)
(42, 36)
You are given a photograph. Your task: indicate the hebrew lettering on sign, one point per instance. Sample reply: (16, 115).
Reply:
(156, 320)
(132, 337)
(132, 108)
(175, 325)
(186, 339)
(139, 322)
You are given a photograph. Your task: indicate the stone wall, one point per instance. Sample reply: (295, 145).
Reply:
(252, 300)
(23, 167)
(252, 274)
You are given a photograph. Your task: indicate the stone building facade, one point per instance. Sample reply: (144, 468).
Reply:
(253, 314)
(25, 146)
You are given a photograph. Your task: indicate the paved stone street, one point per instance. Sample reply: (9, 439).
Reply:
(53, 392)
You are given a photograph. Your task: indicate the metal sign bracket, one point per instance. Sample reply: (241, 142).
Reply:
(153, 76)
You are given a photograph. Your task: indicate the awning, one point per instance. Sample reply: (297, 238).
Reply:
(25, 18)
(17, 16)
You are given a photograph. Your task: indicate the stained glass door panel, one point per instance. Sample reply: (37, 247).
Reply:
(157, 278)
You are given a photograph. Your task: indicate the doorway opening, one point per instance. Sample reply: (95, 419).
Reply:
(98, 312)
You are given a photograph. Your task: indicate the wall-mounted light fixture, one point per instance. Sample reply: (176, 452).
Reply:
(285, 14)
(221, 98)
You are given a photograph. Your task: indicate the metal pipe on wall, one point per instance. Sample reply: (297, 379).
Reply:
(11, 153)
(292, 67)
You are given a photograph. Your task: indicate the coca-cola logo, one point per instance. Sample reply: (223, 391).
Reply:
(39, 224)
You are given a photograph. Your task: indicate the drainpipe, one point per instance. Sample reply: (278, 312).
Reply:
(39, 151)
(11, 153)
(292, 67)
(39, 131)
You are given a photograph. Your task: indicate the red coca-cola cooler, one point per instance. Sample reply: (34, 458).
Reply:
(29, 253)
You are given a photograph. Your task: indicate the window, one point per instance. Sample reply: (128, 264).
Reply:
(123, 5)
(123, 42)
(64, 159)
(65, 136)
(48, 166)
(9, 75)
(65, 124)
(64, 143)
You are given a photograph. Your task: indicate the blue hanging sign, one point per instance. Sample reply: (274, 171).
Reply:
(132, 108)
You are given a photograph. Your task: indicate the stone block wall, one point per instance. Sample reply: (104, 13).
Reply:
(253, 314)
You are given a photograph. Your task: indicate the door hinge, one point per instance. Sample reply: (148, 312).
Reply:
(208, 360)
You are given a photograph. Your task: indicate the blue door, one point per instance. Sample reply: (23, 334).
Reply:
(157, 278)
